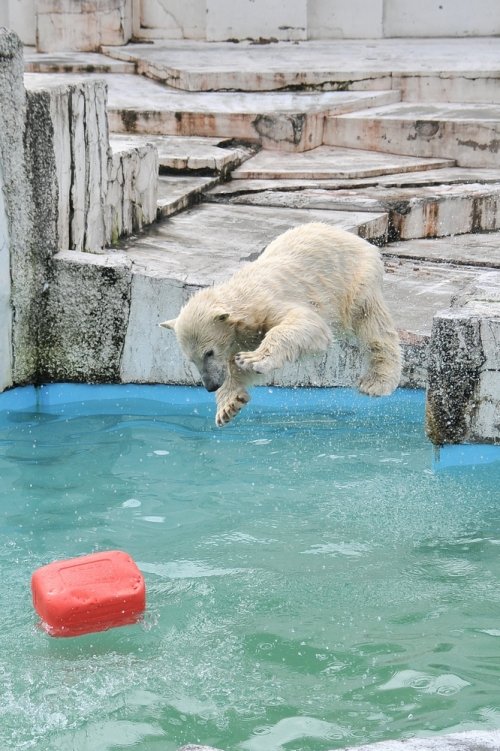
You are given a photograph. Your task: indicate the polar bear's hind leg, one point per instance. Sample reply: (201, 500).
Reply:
(374, 327)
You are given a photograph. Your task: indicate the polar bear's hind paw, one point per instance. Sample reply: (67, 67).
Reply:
(373, 385)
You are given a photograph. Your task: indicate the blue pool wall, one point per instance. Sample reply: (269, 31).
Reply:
(71, 400)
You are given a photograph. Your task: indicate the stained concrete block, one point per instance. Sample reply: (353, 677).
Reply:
(151, 354)
(19, 267)
(86, 320)
(5, 300)
(132, 190)
(468, 133)
(463, 395)
(73, 25)
(78, 134)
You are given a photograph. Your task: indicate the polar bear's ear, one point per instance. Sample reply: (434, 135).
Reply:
(168, 324)
(221, 316)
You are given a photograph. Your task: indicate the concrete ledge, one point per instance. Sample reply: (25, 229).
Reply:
(463, 396)
(475, 740)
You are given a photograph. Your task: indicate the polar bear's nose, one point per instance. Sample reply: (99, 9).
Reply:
(210, 385)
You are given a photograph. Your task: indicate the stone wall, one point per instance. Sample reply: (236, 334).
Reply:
(17, 273)
(99, 194)
(76, 25)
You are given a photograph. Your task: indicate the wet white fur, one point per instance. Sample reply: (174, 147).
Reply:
(282, 307)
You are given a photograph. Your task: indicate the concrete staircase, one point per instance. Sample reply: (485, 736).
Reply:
(396, 140)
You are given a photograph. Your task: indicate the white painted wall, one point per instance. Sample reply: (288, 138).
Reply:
(172, 19)
(438, 18)
(345, 19)
(19, 15)
(214, 20)
(5, 301)
(239, 19)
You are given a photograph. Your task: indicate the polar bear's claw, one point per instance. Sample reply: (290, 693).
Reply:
(253, 362)
(231, 407)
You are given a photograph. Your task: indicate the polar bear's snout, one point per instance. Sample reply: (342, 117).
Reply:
(212, 371)
(209, 384)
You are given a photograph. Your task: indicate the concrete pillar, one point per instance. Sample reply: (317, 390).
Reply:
(463, 393)
(14, 203)
(82, 25)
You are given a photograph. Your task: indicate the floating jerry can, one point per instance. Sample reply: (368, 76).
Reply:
(87, 594)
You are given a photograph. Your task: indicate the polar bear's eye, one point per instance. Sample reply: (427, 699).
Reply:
(210, 353)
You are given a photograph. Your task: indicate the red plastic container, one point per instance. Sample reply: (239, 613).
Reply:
(87, 594)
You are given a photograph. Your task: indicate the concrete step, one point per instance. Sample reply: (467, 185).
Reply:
(482, 250)
(283, 120)
(290, 121)
(73, 62)
(429, 69)
(416, 212)
(331, 162)
(185, 154)
(178, 192)
(198, 242)
(467, 133)
(428, 177)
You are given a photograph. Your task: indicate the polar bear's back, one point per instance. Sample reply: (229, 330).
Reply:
(320, 241)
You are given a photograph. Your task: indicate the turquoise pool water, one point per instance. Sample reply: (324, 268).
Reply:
(314, 579)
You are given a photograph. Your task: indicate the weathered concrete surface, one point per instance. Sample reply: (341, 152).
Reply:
(73, 62)
(71, 25)
(453, 70)
(20, 272)
(466, 250)
(418, 212)
(132, 189)
(190, 154)
(101, 193)
(431, 177)
(78, 131)
(463, 394)
(469, 134)
(330, 162)
(289, 121)
(87, 313)
(5, 299)
(285, 120)
(474, 740)
(178, 192)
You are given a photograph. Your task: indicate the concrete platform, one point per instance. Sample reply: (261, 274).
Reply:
(467, 133)
(329, 162)
(416, 212)
(206, 244)
(178, 192)
(289, 121)
(178, 153)
(73, 62)
(445, 69)
(481, 250)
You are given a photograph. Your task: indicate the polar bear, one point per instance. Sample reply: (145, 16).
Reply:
(282, 307)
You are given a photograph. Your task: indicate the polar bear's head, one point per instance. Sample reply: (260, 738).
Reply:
(206, 334)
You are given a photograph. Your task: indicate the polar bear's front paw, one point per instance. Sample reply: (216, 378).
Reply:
(254, 362)
(374, 385)
(229, 408)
